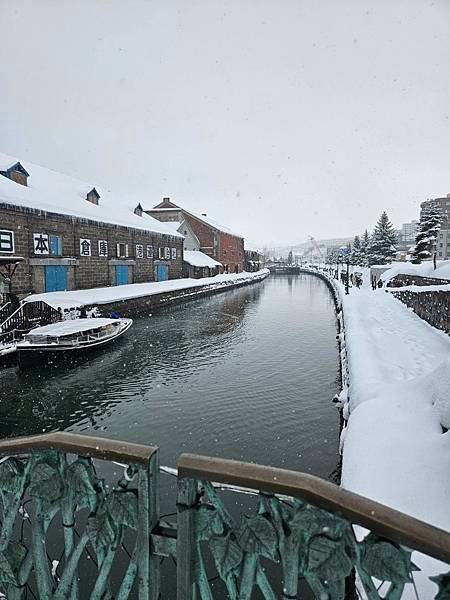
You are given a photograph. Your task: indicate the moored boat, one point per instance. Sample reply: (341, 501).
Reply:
(68, 338)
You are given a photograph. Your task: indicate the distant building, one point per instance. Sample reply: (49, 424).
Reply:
(406, 237)
(196, 263)
(73, 235)
(254, 260)
(408, 232)
(443, 241)
(216, 240)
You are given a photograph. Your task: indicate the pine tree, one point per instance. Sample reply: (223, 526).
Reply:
(382, 243)
(429, 226)
(355, 256)
(364, 252)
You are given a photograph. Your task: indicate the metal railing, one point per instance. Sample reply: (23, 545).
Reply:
(29, 315)
(298, 532)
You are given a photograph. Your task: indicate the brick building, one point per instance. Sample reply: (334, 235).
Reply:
(73, 235)
(443, 241)
(215, 240)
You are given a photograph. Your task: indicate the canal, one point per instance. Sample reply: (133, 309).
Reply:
(248, 374)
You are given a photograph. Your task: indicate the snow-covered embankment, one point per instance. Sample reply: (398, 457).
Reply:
(395, 448)
(123, 293)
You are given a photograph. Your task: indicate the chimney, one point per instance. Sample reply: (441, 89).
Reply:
(166, 202)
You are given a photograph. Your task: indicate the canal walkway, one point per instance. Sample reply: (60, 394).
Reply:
(396, 448)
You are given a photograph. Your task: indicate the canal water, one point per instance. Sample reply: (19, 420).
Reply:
(248, 374)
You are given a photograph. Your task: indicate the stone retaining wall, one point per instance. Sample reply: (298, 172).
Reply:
(148, 304)
(403, 280)
(432, 306)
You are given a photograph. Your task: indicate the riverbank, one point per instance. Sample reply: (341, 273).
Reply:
(140, 297)
(395, 445)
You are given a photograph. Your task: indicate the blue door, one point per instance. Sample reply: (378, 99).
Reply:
(121, 275)
(55, 278)
(161, 272)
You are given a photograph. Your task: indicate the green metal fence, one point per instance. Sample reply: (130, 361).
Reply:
(300, 534)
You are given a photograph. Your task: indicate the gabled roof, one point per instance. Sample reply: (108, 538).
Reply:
(94, 192)
(17, 166)
(54, 192)
(203, 218)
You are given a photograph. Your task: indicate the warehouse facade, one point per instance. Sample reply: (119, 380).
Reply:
(69, 252)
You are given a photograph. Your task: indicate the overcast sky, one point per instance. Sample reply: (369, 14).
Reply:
(280, 118)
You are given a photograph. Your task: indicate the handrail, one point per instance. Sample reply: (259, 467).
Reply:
(46, 314)
(73, 443)
(9, 318)
(380, 519)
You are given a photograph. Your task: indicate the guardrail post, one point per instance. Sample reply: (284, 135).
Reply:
(187, 498)
(148, 517)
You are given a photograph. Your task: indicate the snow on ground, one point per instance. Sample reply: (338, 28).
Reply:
(425, 269)
(394, 448)
(106, 295)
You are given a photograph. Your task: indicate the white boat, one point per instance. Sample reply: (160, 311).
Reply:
(68, 338)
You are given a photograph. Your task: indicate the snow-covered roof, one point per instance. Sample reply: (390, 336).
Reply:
(71, 327)
(195, 258)
(11, 259)
(425, 269)
(51, 191)
(175, 225)
(205, 218)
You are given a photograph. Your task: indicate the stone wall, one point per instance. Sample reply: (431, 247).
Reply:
(148, 304)
(83, 271)
(432, 306)
(403, 280)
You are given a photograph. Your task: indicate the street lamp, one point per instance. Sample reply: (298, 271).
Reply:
(347, 290)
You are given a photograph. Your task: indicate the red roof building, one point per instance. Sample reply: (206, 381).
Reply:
(215, 240)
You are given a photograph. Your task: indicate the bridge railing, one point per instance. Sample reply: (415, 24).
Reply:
(52, 479)
(303, 525)
(298, 533)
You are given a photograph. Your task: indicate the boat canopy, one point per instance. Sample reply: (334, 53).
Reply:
(71, 327)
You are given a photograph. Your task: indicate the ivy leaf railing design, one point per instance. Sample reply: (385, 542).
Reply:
(54, 476)
(301, 530)
(302, 524)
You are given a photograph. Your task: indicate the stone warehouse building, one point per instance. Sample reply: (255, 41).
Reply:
(74, 235)
(215, 240)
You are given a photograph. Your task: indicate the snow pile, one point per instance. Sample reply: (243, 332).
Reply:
(107, 295)
(425, 269)
(394, 448)
(196, 258)
(50, 191)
